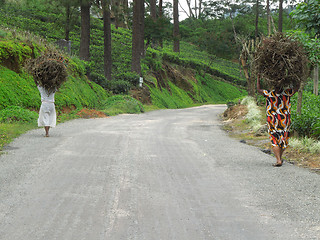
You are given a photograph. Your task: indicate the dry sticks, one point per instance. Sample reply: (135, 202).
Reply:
(281, 61)
(48, 70)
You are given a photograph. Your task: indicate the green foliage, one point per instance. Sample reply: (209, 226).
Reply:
(307, 15)
(131, 77)
(119, 87)
(9, 131)
(213, 89)
(20, 90)
(2, 34)
(308, 123)
(206, 90)
(216, 35)
(17, 114)
(254, 115)
(14, 50)
(306, 144)
(99, 79)
(310, 44)
(119, 104)
(192, 57)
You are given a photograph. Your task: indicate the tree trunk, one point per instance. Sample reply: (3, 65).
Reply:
(268, 17)
(299, 102)
(316, 80)
(142, 9)
(136, 38)
(107, 39)
(153, 11)
(85, 32)
(280, 15)
(257, 19)
(190, 8)
(176, 43)
(200, 9)
(160, 16)
(67, 25)
(125, 12)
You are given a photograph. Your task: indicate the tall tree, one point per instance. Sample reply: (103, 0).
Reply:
(136, 37)
(142, 26)
(160, 17)
(280, 20)
(257, 19)
(176, 35)
(107, 39)
(85, 30)
(153, 13)
(268, 17)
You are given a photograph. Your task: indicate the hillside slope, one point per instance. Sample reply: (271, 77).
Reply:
(19, 89)
(162, 69)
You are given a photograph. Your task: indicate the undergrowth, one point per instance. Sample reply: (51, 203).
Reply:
(305, 144)
(254, 116)
(119, 104)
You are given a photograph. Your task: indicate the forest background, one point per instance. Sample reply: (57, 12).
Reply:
(110, 45)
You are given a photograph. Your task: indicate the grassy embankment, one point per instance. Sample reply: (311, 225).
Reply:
(171, 80)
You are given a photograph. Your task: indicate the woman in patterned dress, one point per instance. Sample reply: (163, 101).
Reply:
(278, 109)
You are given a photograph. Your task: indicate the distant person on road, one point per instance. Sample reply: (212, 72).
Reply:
(278, 110)
(47, 113)
(49, 72)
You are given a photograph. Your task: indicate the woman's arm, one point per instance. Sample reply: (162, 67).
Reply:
(258, 85)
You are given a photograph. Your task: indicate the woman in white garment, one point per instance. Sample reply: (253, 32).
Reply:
(47, 113)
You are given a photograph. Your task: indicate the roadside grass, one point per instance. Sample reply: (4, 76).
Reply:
(9, 131)
(12, 130)
(254, 115)
(302, 152)
(306, 145)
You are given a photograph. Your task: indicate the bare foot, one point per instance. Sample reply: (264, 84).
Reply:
(278, 164)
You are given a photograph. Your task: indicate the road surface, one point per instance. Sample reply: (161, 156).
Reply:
(163, 175)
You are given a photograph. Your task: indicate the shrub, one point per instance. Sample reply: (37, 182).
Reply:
(253, 116)
(17, 114)
(118, 104)
(308, 123)
(99, 79)
(131, 77)
(306, 145)
(119, 87)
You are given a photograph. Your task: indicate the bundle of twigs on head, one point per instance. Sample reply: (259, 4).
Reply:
(281, 62)
(48, 70)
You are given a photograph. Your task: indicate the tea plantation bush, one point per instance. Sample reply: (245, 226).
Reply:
(17, 114)
(308, 123)
(119, 104)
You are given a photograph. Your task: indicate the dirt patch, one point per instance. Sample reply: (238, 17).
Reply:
(141, 94)
(235, 112)
(68, 109)
(91, 113)
(234, 123)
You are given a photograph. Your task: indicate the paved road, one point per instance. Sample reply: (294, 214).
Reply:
(163, 175)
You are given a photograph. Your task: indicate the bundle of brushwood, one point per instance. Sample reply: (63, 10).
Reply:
(281, 62)
(48, 70)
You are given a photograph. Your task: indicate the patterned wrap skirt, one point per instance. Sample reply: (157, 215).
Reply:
(278, 108)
